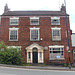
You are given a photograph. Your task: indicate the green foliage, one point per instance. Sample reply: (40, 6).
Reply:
(3, 45)
(43, 64)
(27, 64)
(65, 65)
(10, 55)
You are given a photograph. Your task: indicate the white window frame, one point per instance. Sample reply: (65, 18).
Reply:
(34, 18)
(59, 57)
(38, 34)
(13, 18)
(55, 18)
(59, 36)
(73, 54)
(17, 33)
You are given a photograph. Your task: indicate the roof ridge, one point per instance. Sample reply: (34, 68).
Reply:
(35, 13)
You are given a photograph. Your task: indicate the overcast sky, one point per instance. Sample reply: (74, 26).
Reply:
(41, 5)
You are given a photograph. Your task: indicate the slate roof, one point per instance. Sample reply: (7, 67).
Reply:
(34, 13)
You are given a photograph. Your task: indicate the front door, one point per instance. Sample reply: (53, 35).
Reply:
(35, 57)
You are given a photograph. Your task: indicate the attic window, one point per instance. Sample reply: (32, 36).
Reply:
(34, 20)
(55, 21)
(14, 21)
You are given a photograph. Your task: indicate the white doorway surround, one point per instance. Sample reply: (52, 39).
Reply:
(35, 53)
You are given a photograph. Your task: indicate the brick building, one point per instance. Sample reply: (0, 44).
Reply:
(41, 35)
(73, 46)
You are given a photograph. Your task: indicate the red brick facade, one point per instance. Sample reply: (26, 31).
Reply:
(45, 32)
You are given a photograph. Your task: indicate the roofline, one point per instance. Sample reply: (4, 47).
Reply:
(4, 14)
(32, 15)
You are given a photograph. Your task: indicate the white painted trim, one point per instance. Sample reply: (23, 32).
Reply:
(56, 46)
(34, 24)
(52, 33)
(55, 23)
(55, 17)
(13, 29)
(54, 28)
(14, 17)
(38, 33)
(57, 59)
(34, 17)
(34, 28)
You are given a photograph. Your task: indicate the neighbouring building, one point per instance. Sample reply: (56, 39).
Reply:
(73, 46)
(41, 35)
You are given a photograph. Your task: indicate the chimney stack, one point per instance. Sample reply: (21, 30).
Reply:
(62, 7)
(6, 9)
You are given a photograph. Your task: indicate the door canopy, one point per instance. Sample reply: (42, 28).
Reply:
(34, 45)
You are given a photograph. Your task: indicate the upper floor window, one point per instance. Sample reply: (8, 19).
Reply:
(34, 34)
(56, 34)
(34, 20)
(55, 20)
(13, 34)
(14, 21)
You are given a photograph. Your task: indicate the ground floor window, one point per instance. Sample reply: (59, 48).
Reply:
(29, 56)
(74, 54)
(56, 52)
(40, 55)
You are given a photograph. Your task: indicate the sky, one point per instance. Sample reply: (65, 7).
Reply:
(54, 5)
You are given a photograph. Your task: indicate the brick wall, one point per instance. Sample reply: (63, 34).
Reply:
(45, 33)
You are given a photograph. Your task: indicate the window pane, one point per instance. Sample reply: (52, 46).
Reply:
(34, 22)
(56, 48)
(56, 52)
(29, 56)
(62, 53)
(13, 34)
(56, 35)
(13, 21)
(34, 34)
(55, 22)
(40, 54)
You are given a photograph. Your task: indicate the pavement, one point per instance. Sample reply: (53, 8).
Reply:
(40, 67)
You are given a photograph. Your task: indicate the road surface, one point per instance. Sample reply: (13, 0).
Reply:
(22, 71)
